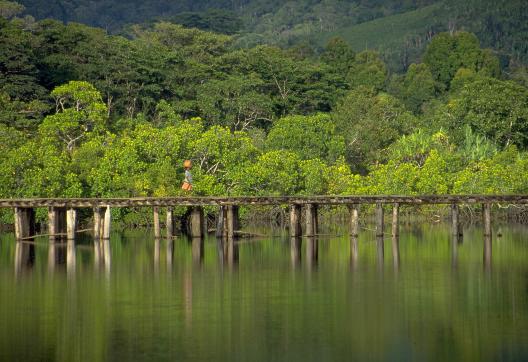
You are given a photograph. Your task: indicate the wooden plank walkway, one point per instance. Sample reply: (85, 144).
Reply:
(261, 200)
(63, 212)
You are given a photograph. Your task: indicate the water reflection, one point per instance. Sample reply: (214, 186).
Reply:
(396, 251)
(102, 255)
(157, 248)
(354, 250)
(312, 252)
(56, 255)
(24, 257)
(414, 315)
(295, 251)
(71, 257)
(197, 250)
(170, 253)
(487, 252)
(107, 255)
(380, 250)
(232, 252)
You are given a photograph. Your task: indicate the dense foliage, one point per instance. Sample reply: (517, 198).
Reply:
(400, 30)
(83, 113)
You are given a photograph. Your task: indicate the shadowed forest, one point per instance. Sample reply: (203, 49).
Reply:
(438, 107)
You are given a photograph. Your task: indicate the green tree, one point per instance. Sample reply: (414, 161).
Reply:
(310, 137)
(447, 53)
(273, 173)
(8, 9)
(339, 55)
(369, 123)
(368, 70)
(80, 112)
(492, 108)
(236, 102)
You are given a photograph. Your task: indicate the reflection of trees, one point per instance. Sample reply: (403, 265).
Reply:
(429, 310)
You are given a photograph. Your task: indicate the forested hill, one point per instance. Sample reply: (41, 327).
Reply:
(399, 29)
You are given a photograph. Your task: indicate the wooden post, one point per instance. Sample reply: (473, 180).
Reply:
(197, 218)
(395, 221)
(157, 231)
(395, 236)
(220, 224)
(379, 220)
(486, 213)
(316, 219)
(71, 223)
(107, 223)
(24, 222)
(170, 223)
(97, 220)
(311, 219)
(455, 222)
(18, 223)
(61, 221)
(354, 220)
(232, 220)
(52, 224)
(295, 221)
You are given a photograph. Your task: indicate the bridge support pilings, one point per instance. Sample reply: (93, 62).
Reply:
(221, 222)
(311, 219)
(486, 214)
(232, 221)
(157, 229)
(354, 220)
(170, 223)
(98, 220)
(395, 235)
(295, 221)
(71, 223)
(379, 219)
(456, 227)
(56, 223)
(24, 222)
(107, 223)
(197, 222)
(395, 220)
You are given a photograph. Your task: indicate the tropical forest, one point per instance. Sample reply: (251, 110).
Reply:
(309, 97)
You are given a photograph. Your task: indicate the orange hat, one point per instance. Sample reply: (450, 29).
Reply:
(187, 164)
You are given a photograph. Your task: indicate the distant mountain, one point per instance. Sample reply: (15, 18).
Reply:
(399, 29)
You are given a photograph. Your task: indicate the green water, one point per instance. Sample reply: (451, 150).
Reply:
(135, 299)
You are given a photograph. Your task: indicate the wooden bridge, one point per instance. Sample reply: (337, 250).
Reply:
(62, 212)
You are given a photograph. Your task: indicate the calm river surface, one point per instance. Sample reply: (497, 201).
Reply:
(135, 299)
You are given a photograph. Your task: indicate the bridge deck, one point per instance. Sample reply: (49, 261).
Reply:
(261, 200)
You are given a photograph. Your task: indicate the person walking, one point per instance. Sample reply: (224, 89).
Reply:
(187, 182)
